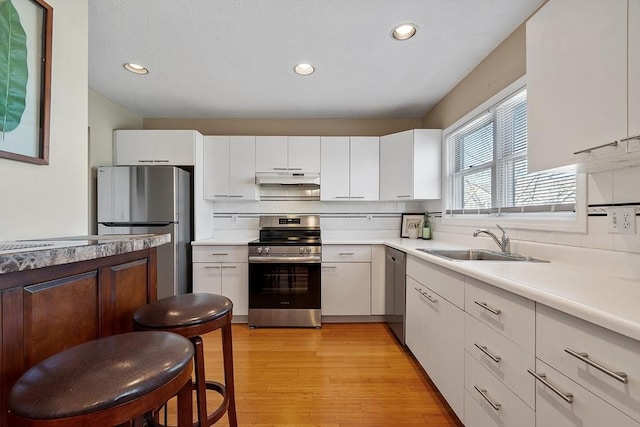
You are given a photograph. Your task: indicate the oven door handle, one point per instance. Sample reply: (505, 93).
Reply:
(285, 259)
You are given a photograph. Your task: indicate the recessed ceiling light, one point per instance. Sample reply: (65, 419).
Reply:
(135, 68)
(304, 69)
(404, 31)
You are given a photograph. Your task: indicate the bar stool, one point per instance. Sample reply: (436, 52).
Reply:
(192, 315)
(108, 381)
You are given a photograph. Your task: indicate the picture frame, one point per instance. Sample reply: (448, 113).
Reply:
(26, 84)
(411, 218)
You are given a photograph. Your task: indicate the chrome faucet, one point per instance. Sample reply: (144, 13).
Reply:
(504, 243)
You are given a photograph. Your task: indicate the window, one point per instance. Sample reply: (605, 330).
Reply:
(486, 173)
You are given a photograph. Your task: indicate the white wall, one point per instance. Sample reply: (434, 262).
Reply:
(104, 117)
(50, 201)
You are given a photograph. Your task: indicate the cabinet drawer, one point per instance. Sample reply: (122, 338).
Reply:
(507, 313)
(559, 333)
(448, 284)
(488, 391)
(474, 415)
(502, 357)
(346, 253)
(585, 409)
(211, 253)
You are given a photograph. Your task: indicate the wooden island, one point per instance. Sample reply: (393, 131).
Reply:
(55, 294)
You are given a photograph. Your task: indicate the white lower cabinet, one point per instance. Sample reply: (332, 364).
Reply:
(600, 361)
(584, 409)
(346, 280)
(502, 357)
(416, 321)
(475, 415)
(498, 402)
(229, 277)
(346, 289)
(435, 334)
(507, 361)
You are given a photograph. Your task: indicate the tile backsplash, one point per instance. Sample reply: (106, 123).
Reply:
(382, 219)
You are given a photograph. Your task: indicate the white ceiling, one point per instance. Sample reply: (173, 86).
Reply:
(235, 58)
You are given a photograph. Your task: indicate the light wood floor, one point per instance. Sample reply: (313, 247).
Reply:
(342, 375)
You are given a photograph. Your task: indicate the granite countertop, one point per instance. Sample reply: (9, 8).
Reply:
(31, 254)
(601, 297)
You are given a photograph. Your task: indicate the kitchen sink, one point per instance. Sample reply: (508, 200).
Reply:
(478, 255)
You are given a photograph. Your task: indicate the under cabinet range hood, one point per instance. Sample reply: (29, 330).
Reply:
(288, 186)
(287, 178)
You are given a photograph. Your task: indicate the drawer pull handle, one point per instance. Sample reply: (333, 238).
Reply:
(342, 197)
(357, 197)
(228, 266)
(346, 253)
(236, 196)
(567, 397)
(404, 196)
(483, 348)
(584, 357)
(219, 253)
(589, 150)
(333, 267)
(488, 308)
(212, 266)
(430, 298)
(630, 138)
(483, 393)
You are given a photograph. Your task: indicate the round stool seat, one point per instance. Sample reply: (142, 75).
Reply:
(182, 311)
(192, 315)
(101, 374)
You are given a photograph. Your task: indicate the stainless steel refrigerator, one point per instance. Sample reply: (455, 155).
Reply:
(150, 199)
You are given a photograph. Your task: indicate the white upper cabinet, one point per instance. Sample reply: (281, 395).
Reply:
(297, 154)
(229, 168)
(271, 153)
(334, 161)
(634, 72)
(154, 147)
(304, 154)
(350, 168)
(582, 80)
(364, 162)
(410, 165)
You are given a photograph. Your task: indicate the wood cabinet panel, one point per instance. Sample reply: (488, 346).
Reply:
(60, 314)
(46, 310)
(128, 295)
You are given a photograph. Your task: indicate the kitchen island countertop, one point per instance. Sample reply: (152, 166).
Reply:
(32, 254)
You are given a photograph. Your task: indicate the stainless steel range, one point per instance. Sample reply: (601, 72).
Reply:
(284, 272)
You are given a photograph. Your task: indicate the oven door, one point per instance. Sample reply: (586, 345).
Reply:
(284, 285)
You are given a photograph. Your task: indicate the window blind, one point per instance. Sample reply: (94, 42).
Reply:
(488, 166)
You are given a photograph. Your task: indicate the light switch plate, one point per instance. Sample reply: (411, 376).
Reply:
(622, 220)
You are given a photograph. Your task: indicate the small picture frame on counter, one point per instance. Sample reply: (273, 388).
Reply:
(411, 221)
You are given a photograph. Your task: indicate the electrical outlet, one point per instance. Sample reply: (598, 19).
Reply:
(622, 220)
(369, 218)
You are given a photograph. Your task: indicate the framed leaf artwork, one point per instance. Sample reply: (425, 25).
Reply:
(25, 80)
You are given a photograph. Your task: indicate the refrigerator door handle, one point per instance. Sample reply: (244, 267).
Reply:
(138, 224)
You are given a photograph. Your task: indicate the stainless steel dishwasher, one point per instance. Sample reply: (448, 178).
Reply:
(395, 284)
